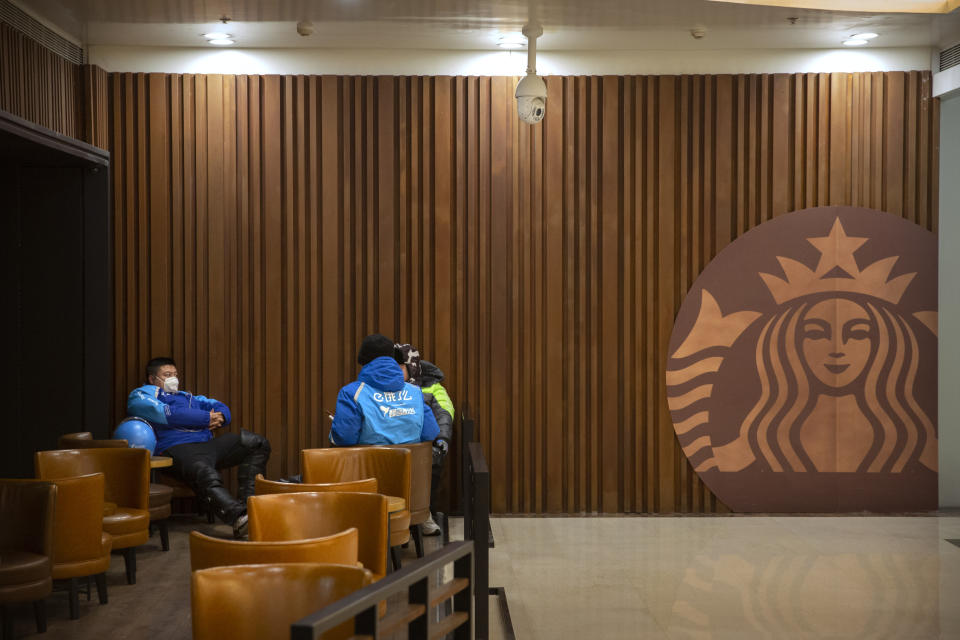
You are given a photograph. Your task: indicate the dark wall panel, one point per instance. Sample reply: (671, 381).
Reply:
(56, 287)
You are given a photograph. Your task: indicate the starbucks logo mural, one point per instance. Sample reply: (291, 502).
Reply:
(802, 366)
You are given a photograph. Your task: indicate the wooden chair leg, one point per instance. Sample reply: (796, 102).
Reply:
(130, 560)
(40, 614)
(417, 534)
(164, 535)
(101, 579)
(395, 558)
(74, 594)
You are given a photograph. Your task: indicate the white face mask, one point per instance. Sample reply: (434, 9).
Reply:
(171, 384)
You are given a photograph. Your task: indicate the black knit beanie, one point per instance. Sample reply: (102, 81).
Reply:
(375, 345)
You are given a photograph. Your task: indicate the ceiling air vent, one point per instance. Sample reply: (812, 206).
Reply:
(35, 30)
(950, 57)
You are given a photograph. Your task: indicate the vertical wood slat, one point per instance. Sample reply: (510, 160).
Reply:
(38, 85)
(263, 224)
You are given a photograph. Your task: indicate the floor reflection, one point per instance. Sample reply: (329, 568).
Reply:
(719, 578)
(847, 595)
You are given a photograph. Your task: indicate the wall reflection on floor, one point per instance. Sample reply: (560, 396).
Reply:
(726, 578)
(877, 595)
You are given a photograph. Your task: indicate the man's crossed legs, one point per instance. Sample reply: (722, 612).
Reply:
(198, 465)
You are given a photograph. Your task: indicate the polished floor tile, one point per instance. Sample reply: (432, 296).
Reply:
(730, 577)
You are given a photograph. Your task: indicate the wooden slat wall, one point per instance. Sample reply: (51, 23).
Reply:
(95, 106)
(266, 223)
(39, 85)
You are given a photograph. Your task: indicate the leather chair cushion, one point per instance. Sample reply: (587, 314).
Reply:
(21, 567)
(160, 494)
(419, 517)
(399, 527)
(160, 512)
(109, 508)
(81, 568)
(399, 537)
(126, 521)
(90, 567)
(128, 540)
(129, 527)
(29, 592)
(399, 520)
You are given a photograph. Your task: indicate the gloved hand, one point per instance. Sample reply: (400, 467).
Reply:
(440, 448)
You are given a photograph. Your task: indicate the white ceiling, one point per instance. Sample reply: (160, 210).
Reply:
(569, 25)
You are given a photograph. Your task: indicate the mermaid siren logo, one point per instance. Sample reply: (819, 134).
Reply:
(802, 366)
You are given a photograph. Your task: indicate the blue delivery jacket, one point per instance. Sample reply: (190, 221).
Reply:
(177, 418)
(380, 408)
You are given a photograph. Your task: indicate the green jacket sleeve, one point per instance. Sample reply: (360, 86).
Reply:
(442, 397)
(444, 419)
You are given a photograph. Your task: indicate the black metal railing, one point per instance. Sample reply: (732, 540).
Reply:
(476, 525)
(414, 580)
(468, 482)
(475, 502)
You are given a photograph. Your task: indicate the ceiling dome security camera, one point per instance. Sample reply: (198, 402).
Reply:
(531, 91)
(531, 98)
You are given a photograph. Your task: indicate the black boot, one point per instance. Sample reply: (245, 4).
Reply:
(209, 486)
(258, 452)
(225, 506)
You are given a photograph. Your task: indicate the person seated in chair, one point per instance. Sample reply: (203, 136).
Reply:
(380, 407)
(184, 424)
(429, 377)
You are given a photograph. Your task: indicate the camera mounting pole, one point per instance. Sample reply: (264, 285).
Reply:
(532, 31)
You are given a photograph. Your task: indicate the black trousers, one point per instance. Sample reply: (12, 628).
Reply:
(198, 464)
(220, 453)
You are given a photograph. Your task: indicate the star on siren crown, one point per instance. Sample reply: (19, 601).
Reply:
(837, 271)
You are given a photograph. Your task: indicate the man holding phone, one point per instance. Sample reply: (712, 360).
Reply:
(184, 424)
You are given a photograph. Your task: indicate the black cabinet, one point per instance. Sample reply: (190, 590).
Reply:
(56, 323)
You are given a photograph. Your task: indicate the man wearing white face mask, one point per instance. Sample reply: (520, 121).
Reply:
(184, 424)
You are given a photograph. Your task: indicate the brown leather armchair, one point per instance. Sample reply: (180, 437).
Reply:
(250, 602)
(161, 495)
(300, 516)
(391, 468)
(83, 440)
(339, 548)
(266, 487)
(26, 547)
(126, 484)
(421, 477)
(80, 545)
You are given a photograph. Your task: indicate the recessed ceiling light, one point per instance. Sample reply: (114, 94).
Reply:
(854, 42)
(229, 41)
(216, 35)
(864, 36)
(512, 41)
